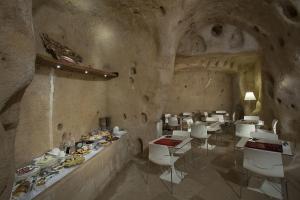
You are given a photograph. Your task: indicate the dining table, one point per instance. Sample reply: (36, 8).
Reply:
(212, 126)
(282, 146)
(174, 143)
(257, 123)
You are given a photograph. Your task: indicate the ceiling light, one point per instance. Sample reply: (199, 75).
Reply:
(58, 66)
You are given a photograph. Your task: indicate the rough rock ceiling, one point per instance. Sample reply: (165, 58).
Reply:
(217, 62)
(215, 38)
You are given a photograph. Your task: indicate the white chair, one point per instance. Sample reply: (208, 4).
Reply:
(274, 128)
(269, 164)
(186, 147)
(220, 118)
(251, 118)
(160, 155)
(187, 114)
(199, 131)
(212, 119)
(221, 111)
(244, 130)
(189, 121)
(159, 128)
(274, 125)
(167, 116)
(233, 117)
(173, 122)
(262, 134)
(205, 114)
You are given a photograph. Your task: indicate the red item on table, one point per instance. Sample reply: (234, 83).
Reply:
(264, 146)
(168, 142)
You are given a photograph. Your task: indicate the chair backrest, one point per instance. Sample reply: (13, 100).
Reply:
(261, 134)
(220, 117)
(254, 118)
(233, 117)
(167, 116)
(212, 119)
(159, 154)
(159, 128)
(244, 130)
(265, 163)
(187, 114)
(173, 121)
(205, 114)
(181, 133)
(188, 120)
(199, 130)
(274, 125)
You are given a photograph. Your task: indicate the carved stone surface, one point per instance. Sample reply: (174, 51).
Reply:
(114, 34)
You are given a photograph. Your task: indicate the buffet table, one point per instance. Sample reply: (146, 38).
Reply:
(85, 181)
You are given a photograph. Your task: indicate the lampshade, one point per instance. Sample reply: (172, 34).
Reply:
(249, 96)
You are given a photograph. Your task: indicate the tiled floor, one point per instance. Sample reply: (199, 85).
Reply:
(210, 177)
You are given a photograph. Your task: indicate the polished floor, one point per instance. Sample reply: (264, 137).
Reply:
(210, 177)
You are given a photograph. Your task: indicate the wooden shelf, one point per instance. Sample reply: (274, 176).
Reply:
(74, 67)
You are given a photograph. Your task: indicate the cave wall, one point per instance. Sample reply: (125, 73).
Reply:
(145, 34)
(203, 90)
(17, 55)
(44, 119)
(32, 137)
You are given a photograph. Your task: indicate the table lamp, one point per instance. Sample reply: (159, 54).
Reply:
(249, 96)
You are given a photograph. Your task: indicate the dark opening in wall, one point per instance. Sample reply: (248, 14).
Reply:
(281, 42)
(289, 10)
(60, 126)
(256, 28)
(141, 143)
(144, 117)
(185, 86)
(217, 30)
(132, 71)
(124, 116)
(279, 100)
(162, 10)
(131, 80)
(293, 106)
(146, 98)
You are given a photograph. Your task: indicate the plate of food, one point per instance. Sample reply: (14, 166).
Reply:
(25, 172)
(73, 161)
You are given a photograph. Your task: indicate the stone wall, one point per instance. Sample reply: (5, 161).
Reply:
(120, 35)
(200, 91)
(56, 102)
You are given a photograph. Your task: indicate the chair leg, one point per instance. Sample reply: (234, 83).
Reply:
(171, 180)
(148, 171)
(284, 189)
